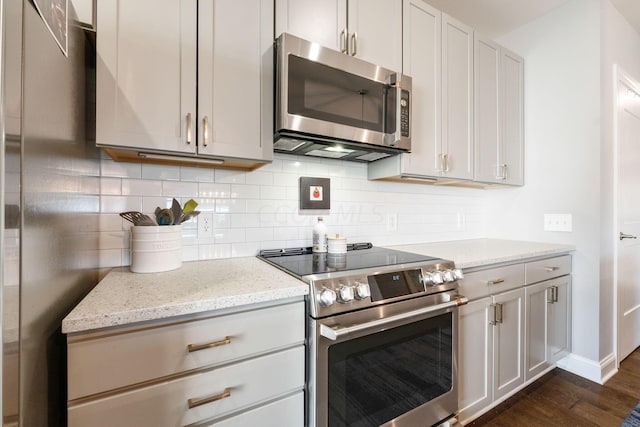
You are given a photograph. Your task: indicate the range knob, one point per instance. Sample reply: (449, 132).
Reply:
(327, 297)
(345, 293)
(437, 278)
(362, 290)
(447, 275)
(457, 274)
(425, 279)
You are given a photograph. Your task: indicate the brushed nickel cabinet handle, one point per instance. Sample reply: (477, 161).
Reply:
(343, 41)
(553, 268)
(354, 44)
(189, 128)
(499, 311)
(205, 131)
(495, 282)
(446, 163)
(494, 319)
(195, 402)
(197, 347)
(627, 236)
(505, 169)
(554, 294)
(549, 292)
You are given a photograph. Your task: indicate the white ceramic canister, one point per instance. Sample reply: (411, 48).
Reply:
(337, 244)
(156, 248)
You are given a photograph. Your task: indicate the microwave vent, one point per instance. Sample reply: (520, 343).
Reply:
(288, 144)
(371, 157)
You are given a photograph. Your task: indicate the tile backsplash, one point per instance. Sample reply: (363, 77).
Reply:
(259, 210)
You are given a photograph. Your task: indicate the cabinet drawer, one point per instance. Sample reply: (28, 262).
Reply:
(481, 283)
(167, 404)
(545, 269)
(287, 412)
(108, 362)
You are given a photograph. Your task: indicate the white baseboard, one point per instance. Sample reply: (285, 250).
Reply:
(598, 372)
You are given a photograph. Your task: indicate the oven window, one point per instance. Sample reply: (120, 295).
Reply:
(331, 95)
(378, 377)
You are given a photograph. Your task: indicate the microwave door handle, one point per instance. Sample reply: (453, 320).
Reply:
(336, 333)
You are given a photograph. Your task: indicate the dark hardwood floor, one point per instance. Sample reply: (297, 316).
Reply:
(563, 399)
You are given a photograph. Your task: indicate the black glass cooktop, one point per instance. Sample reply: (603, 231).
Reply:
(303, 262)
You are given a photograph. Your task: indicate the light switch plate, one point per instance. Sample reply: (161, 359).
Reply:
(558, 222)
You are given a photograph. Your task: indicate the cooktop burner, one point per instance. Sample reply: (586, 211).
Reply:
(302, 262)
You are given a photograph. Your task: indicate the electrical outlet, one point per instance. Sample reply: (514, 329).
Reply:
(558, 222)
(205, 225)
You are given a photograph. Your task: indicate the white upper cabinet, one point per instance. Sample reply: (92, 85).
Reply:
(146, 74)
(421, 60)
(368, 29)
(375, 32)
(234, 69)
(499, 138)
(150, 72)
(320, 21)
(457, 99)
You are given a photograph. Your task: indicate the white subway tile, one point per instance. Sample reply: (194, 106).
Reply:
(245, 220)
(214, 191)
(111, 186)
(275, 165)
(229, 235)
(230, 176)
(179, 189)
(273, 193)
(110, 258)
(258, 177)
(160, 172)
(245, 249)
(239, 191)
(261, 234)
(221, 220)
(231, 206)
(141, 187)
(196, 174)
(116, 204)
(189, 253)
(110, 222)
(120, 169)
(113, 240)
(286, 179)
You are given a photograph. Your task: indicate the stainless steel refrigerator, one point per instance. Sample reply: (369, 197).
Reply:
(50, 200)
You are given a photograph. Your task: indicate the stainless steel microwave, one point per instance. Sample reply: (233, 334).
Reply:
(332, 105)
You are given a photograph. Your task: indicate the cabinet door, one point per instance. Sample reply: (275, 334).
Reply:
(538, 302)
(486, 58)
(234, 99)
(421, 60)
(475, 355)
(512, 146)
(508, 340)
(375, 32)
(146, 74)
(457, 99)
(559, 335)
(320, 21)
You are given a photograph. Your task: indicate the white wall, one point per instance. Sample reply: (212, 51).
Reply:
(620, 45)
(259, 210)
(562, 137)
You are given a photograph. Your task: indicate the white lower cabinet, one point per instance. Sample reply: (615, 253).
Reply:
(515, 327)
(548, 324)
(240, 368)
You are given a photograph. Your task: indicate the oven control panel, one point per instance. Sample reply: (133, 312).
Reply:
(342, 294)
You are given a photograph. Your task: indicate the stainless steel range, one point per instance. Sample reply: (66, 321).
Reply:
(382, 337)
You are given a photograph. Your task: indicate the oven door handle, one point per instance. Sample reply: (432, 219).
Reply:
(340, 332)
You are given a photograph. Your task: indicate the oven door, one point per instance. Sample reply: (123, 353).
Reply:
(393, 365)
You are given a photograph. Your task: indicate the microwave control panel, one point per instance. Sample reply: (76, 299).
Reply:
(404, 113)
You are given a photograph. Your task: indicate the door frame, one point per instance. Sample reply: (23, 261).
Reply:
(621, 77)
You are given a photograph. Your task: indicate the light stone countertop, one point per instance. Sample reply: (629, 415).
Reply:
(122, 297)
(479, 252)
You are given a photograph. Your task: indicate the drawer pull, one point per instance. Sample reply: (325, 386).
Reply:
(495, 282)
(204, 400)
(197, 347)
(552, 268)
